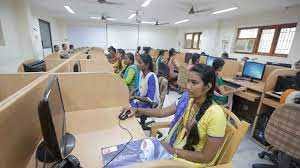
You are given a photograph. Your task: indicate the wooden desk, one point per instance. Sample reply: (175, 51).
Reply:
(259, 86)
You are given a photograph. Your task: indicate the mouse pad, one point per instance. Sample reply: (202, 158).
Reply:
(135, 152)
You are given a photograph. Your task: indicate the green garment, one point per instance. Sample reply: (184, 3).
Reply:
(220, 99)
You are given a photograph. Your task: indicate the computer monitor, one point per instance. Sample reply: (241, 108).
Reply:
(57, 144)
(35, 66)
(210, 60)
(77, 67)
(253, 70)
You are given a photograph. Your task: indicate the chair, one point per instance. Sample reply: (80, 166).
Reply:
(282, 132)
(234, 133)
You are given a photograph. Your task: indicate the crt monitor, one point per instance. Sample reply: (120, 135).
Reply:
(57, 144)
(210, 60)
(253, 70)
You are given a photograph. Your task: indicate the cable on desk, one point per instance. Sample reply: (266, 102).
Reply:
(131, 137)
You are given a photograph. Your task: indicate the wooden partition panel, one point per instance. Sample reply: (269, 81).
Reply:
(11, 83)
(272, 77)
(20, 127)
(269, 69)
(83, 91)
(52, 63)
(231, 68)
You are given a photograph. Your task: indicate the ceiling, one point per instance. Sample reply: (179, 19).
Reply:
(163, 10)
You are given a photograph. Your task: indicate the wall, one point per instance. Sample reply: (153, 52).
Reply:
(21, 33)
(14, 18)
(227, 29)
(120, 36)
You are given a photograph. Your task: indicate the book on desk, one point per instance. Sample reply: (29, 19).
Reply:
(122, 155)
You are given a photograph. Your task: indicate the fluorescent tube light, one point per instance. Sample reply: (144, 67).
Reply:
(132, 16)
(111, 19)
(145, 22)
(182, 21)
(146, 3)
(225, 10)
(93, 17)
(68, 8)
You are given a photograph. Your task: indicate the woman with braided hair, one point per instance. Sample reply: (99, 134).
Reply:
(198, 128)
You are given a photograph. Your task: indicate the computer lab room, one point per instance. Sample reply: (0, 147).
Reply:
(150, 83)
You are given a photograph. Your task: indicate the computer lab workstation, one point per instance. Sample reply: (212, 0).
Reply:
(264, 85)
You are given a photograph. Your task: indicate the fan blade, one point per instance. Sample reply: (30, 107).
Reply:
(203, 10)
(160, 24)
(109, 2)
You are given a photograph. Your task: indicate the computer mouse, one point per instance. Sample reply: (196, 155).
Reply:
(124, 115)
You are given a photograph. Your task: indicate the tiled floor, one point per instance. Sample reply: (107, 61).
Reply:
(247, 152)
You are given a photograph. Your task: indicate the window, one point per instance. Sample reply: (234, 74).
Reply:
(2, 42)
(192, 40)
(275, 40)
(285, 40)
(266, 40)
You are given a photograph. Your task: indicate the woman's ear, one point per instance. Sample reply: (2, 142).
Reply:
(208, 87)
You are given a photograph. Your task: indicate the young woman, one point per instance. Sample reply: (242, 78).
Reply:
(148, 93)
(163, 75)
(221, 95)
(198, 128)
(130, 74)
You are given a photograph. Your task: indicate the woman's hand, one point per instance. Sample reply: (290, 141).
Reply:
(168, 147)
(132, 110)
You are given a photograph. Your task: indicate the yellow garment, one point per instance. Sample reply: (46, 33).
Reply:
(212, 123)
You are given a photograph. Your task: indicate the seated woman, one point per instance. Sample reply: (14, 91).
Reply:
(173, 70)
(163, 75)
(148, 96)
(221, 95)
(198, 128)
(131, 73)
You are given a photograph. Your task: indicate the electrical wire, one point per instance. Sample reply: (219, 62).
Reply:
(131, 137)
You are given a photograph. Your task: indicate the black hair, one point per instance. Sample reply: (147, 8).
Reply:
(195, 58)
(71, 46)
(225, 55)
(161, 52)
(63, 45)
(55, 46)
(172, 52)
(208, 76)
(218, 63)
(148, 61)
(111, 48)
(122, 52)
(131, 57)
(146, 50)
(138, 48)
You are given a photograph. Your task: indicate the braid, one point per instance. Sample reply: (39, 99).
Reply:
(193, 138)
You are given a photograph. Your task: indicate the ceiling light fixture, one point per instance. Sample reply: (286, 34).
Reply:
(146, 3)
(93, 17)
(145, 22)
(111, 19)
(225, 10)
(132, 16)
(68, 8)
(182, 21)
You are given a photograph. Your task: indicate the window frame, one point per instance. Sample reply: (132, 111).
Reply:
(277, 28)
(192, 44)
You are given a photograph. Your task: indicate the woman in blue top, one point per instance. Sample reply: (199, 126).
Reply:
(148, 95)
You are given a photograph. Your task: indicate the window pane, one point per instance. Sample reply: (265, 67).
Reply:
(266, 40)
(196, 38)
(188, 40)
(285, 40)
(248, 33)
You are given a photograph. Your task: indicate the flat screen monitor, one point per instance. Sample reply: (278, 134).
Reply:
(52, 118)
(210, 60)
(253, 70)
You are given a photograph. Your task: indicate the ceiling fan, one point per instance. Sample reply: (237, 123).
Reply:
(157, 23)
(192, 10)
(109, 2)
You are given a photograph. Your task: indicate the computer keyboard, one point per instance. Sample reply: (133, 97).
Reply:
(233, 85)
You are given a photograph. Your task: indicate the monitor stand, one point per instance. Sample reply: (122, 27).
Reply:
(45, 155)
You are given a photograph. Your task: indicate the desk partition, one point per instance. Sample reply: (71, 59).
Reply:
(12, 83)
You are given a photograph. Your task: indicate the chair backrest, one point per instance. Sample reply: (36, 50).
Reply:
(283, 131)
(235, 132)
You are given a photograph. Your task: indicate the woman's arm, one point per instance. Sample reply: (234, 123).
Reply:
(205, 156)
(160, 113)
(227, 92)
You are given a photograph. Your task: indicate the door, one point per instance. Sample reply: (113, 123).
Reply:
(46, 38)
